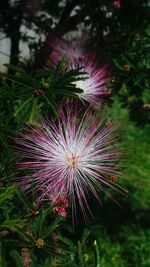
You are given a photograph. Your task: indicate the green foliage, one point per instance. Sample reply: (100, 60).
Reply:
(7, 193)
(31, 95)
(78, 253)
(13, 224)
(128, 247)
(41, 233)
(123, 234)
(16, 257)
(132, 78)
(137, 161)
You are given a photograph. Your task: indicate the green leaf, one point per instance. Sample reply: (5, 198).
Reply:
(40, 220)
(33, 110)
(13, 224)
(28, 78)
(120, 67)
(80, 255)
(16, 257)
(19, 80)
(22, 106)
(53, 227)
(65, 240)
(8, 193)
(85, 236)
(51, 102)
(97, 254)
(21, 198)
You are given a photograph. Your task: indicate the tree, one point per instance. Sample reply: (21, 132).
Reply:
(11, 21)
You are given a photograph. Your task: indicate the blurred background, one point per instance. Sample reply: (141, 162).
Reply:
(119, 32)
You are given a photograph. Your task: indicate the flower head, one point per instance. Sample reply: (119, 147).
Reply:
(93, 81)
(117, 3)
(72, 157)
(63, 48)
(60, 203)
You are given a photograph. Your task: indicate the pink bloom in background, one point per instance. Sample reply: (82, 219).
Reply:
(94, 85)
(71, 50)
(117, 3)
(62, 48)
(60, 203)
(72, 157)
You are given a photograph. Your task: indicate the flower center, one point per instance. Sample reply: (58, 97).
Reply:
(72, 160)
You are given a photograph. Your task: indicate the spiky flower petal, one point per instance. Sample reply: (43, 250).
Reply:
(93, 84)
(69, 158)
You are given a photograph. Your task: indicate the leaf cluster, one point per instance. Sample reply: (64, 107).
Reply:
(132, 79)
(32, 94)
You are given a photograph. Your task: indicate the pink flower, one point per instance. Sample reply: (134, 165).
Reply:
(93, 82)
(117, 3)
(72, 157)
(62, 205)
(64, 49)
(61, 211)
